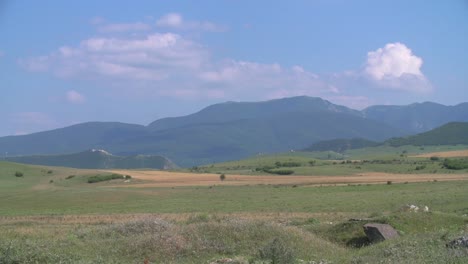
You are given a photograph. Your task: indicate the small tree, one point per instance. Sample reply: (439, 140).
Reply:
(18, 174)
(222, 177)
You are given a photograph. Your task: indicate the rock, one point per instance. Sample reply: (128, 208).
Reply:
(379, 232)
(410, 208)
(459, 242)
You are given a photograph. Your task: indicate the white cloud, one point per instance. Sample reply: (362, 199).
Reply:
(124, 27)
(392, 61)
(172, 65)
(154, 56)
(176, 21)
(396, 67)
(265, 80)
(74, 97)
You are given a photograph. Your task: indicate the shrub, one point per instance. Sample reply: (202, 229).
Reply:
(100, 178)
(69, 177)
(434, 158)
(455, 164)
(422, 167)
(19, 174)
(280, 172)
(222, 177)
(264, 168)
(288, 164)
(128, 177)
(277, 252)
(283, 172)
(389, 182)
(50, 171)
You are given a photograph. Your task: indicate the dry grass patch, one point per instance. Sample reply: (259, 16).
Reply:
(444, 154)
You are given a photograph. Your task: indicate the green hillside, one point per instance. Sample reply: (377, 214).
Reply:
(341, 145)
(449, 134)
(96, 159)
(197, 144)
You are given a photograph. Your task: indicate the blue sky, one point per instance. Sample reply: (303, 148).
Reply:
(66, 62)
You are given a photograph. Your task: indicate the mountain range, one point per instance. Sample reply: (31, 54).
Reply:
(235, 130)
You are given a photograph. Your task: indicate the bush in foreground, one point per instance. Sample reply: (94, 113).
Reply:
(19, 174)
(277, 252)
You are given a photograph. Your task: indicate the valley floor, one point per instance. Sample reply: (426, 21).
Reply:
(54, 215)
(145, 179)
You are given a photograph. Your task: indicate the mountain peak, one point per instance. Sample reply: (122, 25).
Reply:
(231, 111)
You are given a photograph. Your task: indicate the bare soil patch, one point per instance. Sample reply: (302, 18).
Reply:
(444, 154)
(176, 179)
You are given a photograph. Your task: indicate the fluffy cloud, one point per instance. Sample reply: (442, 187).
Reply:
(271, 80)
(176, 21)
(74, 97)
(395, 66)
(168, 64)
(154, 56)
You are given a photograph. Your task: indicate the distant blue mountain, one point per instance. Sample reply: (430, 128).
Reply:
(235, 130)
(417, 117)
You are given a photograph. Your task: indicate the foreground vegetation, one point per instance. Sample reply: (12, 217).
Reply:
(204, 238)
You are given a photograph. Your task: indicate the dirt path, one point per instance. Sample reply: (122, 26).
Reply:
(444, 154)
(174, 179)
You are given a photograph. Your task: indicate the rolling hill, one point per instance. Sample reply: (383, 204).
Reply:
(71, 139)
(341, 145)
(450, 134)
(97, 159)
(454, 133)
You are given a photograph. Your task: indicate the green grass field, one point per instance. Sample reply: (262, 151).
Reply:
(53, 215)
(373, 159)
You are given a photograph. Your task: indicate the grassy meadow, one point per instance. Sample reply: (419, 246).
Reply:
(54, 215)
